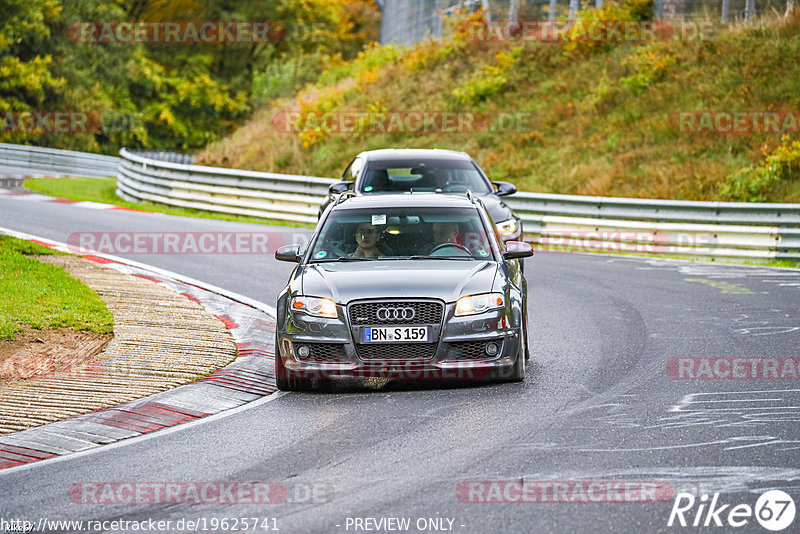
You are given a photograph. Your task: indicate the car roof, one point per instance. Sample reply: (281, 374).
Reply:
(416, 200)
(389, 154)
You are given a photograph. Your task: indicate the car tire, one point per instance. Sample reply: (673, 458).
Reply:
(515, 373)
(525, 331)
(282, 379)
(518, 369)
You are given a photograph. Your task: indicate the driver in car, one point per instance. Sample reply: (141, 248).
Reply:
(367, 238)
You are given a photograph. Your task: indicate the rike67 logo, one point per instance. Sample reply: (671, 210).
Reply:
(774, 510)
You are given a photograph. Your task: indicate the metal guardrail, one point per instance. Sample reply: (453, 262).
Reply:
(687, 229)
(690, 229)
(281, 197)
(642, 209)
(58, 161)
(705, 230)
(163, 155)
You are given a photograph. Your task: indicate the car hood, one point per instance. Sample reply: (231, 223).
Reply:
(443, 279)
(498, 211)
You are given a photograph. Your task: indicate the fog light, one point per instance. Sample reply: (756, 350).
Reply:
(303, 351)
(491, 349)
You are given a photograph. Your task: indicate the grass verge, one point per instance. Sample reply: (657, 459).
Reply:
(104, 190)
(37, 295)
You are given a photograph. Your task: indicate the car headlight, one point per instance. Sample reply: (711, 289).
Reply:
(508, 227)
(475, 304)
(318, 307)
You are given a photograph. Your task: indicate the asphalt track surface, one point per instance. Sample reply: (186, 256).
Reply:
(598, 405)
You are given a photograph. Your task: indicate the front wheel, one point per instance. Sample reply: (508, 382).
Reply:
(515, 373)
(518, 369)
(282, 379)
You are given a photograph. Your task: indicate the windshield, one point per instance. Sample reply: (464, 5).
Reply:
(423, 176)
(388, 233)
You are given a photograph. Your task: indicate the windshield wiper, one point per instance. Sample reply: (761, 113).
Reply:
(439, 258)
(396, 258)
(343, 258)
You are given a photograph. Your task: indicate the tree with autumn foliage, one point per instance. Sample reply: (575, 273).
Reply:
(162, 95)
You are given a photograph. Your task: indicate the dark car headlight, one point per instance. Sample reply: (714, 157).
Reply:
(316, 306)
(508, 227)
(475, 304)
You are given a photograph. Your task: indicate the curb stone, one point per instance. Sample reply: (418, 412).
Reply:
(248, 378)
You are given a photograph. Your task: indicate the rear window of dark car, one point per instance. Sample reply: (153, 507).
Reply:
(422, 176)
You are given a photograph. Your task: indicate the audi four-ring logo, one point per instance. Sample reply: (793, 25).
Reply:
(395, 314)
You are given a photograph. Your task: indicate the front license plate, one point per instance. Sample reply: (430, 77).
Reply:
(395, 334)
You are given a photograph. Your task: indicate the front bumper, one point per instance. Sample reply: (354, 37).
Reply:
(317, 348)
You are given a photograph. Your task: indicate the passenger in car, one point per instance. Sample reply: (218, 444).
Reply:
(444, 233)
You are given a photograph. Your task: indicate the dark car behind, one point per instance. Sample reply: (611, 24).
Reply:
(392, 171)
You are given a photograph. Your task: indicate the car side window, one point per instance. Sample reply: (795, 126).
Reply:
(352, 170)
(355, 169)
(346, 172)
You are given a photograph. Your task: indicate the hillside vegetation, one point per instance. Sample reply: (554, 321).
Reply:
(604, 116)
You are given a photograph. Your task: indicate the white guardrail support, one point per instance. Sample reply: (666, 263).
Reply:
(687, 229)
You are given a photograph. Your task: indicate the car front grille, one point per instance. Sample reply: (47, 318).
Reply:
(425, 312)
(397, 351)
(470, 350)
(321, 352)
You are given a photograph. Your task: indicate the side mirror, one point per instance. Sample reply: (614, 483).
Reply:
(338, 188)
(504, 188)
(517, 250)
(288, 253)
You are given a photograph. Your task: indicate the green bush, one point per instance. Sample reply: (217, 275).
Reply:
(759, 184)
(286, 77)
(649, 65)
(589, 22)
(373, 57)
(490, 81)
